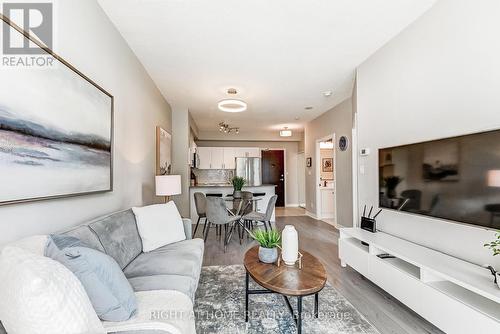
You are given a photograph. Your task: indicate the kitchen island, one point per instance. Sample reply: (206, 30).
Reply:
(223, 190)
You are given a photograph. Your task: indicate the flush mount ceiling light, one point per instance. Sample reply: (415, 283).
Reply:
(285, 132)
(224, 127)
(327, 93)
(232, 105)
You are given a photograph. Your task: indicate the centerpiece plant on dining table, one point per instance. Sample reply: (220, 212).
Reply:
(269, 242)
(238, 182)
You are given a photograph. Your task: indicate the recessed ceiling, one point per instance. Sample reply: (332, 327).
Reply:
(281, 55)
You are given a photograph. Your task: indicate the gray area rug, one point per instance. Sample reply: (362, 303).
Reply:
(220, 308)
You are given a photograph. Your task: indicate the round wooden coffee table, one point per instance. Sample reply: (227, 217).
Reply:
(285, 280)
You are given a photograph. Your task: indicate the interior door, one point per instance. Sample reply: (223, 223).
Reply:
(273, 172)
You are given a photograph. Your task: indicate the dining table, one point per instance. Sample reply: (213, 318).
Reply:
(243, 204)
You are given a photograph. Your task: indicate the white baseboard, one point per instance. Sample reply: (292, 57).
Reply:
(293, 205)
(312, 215)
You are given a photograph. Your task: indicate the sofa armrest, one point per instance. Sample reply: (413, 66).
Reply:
(188, 228)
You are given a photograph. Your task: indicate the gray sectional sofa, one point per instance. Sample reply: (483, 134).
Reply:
(172, 267)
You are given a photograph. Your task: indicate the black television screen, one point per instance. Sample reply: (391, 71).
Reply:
(454, 178)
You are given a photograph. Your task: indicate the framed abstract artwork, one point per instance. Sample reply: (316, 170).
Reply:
(327, 165)
(163, 152)
(56, 133)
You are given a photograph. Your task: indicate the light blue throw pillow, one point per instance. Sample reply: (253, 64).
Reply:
(109, 291)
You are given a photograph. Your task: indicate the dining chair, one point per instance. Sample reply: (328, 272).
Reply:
(265, 218)
(218, 215)
(200, 202)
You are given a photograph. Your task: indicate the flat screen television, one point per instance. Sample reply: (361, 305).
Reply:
(456, 179)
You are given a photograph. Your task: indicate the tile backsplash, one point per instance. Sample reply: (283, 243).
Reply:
(213, 176)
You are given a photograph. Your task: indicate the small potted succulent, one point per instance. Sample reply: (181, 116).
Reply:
(238, 182)
(269, 242)
(495, 248)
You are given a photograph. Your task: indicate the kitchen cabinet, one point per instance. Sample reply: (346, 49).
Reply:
(229, 156)
(223, 157)
(204, 157)
(327, 202)
(247, 152)
(217, 160)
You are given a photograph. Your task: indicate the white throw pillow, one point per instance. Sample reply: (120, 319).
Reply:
(159, 225)
(40, 296)
(35, 244)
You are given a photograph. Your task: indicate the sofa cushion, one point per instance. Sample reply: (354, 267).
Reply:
(180, 258)
(86, 235)
(119, 236)
(107, 288)
(184, 284)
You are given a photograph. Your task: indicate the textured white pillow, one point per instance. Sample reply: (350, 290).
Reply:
(159, 225)
(35, 244)
(40, 296)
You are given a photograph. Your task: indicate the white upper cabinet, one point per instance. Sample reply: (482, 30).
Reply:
(224, 157)
(247, 152)
(217, 158)
(204, 157)
(229, 156)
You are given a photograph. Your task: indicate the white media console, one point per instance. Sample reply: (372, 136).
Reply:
(454, 295)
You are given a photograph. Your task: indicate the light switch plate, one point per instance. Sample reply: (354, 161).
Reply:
(364, 152)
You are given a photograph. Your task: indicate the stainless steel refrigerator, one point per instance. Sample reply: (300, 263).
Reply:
(250, 170)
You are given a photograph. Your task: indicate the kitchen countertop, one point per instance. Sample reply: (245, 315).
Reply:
(220, 185)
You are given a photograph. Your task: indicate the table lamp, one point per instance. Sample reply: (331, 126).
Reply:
(168, 185)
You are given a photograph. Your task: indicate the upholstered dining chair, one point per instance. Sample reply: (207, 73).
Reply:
(218, 215)
(200, 202)
(265, 218)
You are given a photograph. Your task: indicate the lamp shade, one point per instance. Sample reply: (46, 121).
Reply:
(494, 178)
(168, 185)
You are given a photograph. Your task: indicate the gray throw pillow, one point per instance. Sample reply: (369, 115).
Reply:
(109, 291)
(57, 242)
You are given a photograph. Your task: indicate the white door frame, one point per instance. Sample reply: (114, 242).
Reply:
(319, 210)
(301, 156)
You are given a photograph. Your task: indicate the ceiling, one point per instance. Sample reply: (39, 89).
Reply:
(280, 55)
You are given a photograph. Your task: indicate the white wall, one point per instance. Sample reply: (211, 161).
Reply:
(291, 151)
(180, 155)
(87, 39)
(338, 121)
(438, 78)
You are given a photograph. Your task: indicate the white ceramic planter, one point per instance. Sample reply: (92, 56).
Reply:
(290, 245)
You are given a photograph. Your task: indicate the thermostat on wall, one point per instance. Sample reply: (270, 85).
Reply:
(364, 152)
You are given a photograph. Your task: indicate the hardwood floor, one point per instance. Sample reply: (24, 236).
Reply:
(289, 211)
(386, 313)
